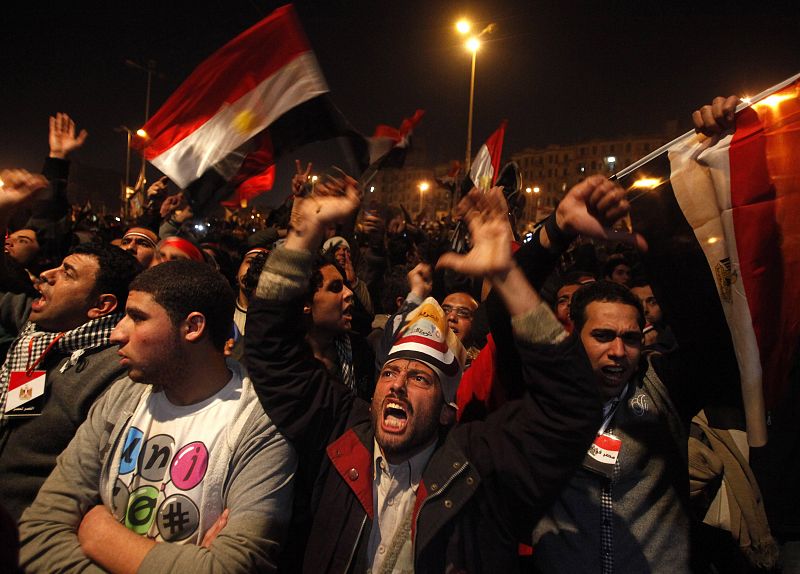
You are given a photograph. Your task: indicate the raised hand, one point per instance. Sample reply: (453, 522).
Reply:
(420, 280)
(17, 186)
(300, 179)
(487, 217)
(329, 203)
(62, 137)
(158, 187)
(592, 207)
(717, 117)
(170, 204)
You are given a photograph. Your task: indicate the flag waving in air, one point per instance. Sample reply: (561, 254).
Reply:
(486, 165)
(259, 96)
(722, 218)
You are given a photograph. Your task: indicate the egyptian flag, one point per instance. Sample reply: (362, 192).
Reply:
(388, 146)
(722, 219)
(259, 96)
(486, 165)
(448, 180)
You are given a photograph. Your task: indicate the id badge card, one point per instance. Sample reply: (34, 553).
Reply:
(26, 394)
(602, 454)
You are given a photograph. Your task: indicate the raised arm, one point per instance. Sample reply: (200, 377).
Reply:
(292, 385)
(528, 447)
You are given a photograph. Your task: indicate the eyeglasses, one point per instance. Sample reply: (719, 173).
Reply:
(461, 312)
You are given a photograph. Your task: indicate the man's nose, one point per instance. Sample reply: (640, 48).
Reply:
(617, 348)
(47, 276)
(118, 334)
(399, 382)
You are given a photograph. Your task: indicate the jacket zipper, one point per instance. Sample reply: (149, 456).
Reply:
(432, 496)
(355, 545)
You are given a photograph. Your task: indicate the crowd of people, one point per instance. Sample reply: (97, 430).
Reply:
(341, 390)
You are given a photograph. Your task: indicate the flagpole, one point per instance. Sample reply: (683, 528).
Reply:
(744, 104)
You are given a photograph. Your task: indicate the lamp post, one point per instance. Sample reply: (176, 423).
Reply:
(126, 182)
(463, 27)
(423, 187)
(150, 69)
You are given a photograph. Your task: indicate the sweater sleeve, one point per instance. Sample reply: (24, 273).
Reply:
(48, 528)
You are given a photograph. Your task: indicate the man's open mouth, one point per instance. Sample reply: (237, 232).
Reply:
(614, 373)
(395, 416)
(38, 303)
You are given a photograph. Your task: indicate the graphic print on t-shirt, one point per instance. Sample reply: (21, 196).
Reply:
(156, 485)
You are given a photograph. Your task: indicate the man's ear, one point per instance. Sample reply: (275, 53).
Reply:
(306, 309)
(105, 304)
(194, 326)
(447, 417)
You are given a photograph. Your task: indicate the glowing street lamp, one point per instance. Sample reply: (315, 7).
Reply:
(423, 187)
(464, 27)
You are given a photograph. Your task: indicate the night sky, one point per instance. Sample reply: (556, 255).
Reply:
(560, 72)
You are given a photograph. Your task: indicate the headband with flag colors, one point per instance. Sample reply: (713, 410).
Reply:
(184, 245)
(722, 219)
(426, 337)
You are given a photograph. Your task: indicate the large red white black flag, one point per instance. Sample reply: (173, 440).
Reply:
(722, 218)
(259, 96)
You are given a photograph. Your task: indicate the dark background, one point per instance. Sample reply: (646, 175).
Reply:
(560, 72)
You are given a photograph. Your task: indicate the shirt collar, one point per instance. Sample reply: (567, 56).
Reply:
(413, 467)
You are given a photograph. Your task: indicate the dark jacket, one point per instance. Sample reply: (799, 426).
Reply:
(486, 484)
(29, 445)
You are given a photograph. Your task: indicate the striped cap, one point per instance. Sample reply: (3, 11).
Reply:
(426, 337)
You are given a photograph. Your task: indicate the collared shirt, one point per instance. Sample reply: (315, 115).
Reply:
(394, 491)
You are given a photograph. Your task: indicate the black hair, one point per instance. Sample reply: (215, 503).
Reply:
(604, 291)
(250, 280)
(640, 282)
(613, 262)
(183, 286)
(395, 284)
(316, 280)
(117, 268)
(574, 278)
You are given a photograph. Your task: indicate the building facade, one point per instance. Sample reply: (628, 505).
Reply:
(550, 172)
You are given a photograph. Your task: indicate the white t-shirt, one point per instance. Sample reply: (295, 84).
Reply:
(167, 449)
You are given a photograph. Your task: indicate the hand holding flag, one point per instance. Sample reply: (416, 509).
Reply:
(591, 208)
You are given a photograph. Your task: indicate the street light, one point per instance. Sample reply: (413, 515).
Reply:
(423, 187)
(463, 27)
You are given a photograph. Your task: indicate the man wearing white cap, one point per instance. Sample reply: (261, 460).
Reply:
(397, 488)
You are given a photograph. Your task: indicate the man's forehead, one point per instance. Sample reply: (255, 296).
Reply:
(568, 289)
(26, 233)
(82, 262)
(144, 303)
(402, 364)
(642, 291)
(460, 298)
(612, 312)
(330, 273)
(142, 233)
